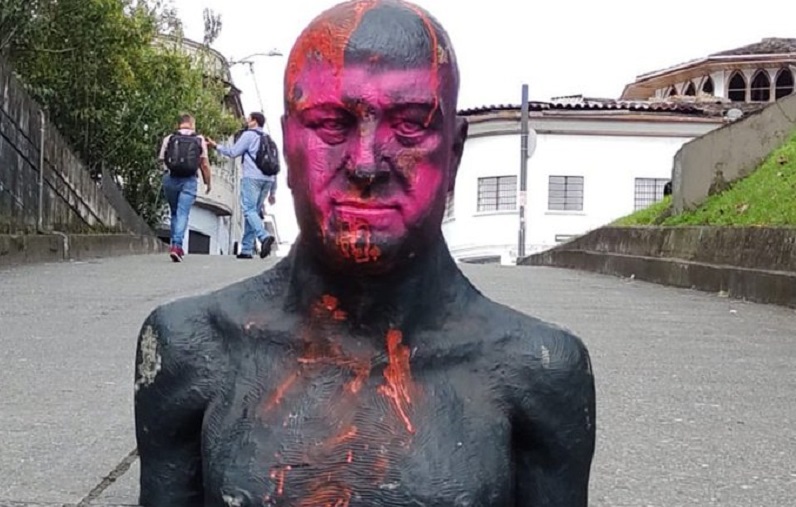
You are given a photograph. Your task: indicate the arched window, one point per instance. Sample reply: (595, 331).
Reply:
(736, 91)
(761, 87)
(672, 92)
(690, 90)
(784, 84)
(707, 86)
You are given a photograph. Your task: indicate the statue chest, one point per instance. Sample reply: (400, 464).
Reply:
(333, 431)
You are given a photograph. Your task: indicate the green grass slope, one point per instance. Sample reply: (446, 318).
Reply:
(767, 197)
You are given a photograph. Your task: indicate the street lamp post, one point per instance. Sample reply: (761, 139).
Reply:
(248, 61)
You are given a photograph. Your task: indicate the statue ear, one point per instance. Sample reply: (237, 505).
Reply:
(459, 138)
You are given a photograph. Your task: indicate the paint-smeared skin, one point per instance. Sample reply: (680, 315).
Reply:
(496, 408)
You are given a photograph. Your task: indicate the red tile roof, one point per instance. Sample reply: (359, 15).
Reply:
(706, 107)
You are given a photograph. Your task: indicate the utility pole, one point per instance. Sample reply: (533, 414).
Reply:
(523, 170)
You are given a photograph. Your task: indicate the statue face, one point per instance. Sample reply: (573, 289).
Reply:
(372, 147)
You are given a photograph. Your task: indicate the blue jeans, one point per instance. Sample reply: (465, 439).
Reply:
(180, 194)
(252, 197)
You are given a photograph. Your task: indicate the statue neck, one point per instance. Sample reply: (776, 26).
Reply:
(406, 298)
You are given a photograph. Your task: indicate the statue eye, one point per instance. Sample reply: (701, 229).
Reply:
(331, 128)
(333, 125)
(409, 128)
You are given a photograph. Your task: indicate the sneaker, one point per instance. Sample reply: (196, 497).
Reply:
(176, 253)
(265, 250)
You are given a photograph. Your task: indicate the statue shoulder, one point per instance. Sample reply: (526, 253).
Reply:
(532, 349)
(185, 340)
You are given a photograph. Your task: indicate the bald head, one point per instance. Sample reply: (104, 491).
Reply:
(380, 34)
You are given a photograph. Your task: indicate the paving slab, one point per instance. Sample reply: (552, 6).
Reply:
(695, 392)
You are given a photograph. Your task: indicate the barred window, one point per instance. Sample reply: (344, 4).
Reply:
(449, 201)
(565, 193)
(497, 193)
(649, 191)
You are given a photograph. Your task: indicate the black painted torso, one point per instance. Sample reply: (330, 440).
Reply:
(258, 403)
(307, 416)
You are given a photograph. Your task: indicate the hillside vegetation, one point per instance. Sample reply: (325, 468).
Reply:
(767, 197)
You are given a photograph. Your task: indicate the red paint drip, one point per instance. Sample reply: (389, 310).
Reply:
(353, 240)
(278, 474)
(398, 377)
(326, 39)
(280, 392)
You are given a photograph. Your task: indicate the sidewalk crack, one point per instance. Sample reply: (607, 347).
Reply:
(115, 474)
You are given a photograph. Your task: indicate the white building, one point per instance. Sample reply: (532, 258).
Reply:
(753, 74)
(597, 160)
(594, 161)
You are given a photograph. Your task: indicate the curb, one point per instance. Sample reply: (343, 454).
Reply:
(756, 285)
(16, 250)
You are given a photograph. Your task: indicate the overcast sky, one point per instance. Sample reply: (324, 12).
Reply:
(559, 47)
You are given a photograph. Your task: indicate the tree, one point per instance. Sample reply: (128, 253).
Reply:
(17, 17)
(113, 88)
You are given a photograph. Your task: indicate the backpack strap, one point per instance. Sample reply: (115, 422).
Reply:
(258, 134)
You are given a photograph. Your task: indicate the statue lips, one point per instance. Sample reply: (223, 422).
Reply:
(379, 215)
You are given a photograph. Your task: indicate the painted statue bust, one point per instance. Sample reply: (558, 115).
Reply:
(363, 369)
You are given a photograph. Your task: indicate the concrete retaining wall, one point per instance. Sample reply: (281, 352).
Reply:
(72, 201)
(753, 263)
(29, 249)
(729, 153)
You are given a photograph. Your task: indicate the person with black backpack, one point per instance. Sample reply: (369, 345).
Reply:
(184, 154)
(260, 167)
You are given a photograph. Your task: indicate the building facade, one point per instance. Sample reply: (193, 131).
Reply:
(596, 160)
(752, 75)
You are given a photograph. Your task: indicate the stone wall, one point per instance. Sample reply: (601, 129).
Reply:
(729, 153)
(753, 263)
(72, 201)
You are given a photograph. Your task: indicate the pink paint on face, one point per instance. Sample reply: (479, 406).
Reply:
(369, 154)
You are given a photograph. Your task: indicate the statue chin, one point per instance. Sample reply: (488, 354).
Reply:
(363, 253)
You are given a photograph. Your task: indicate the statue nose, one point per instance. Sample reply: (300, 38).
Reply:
(370, 174)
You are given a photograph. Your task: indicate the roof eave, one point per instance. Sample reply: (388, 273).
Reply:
(710, 59)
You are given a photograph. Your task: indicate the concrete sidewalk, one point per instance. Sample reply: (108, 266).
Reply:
(695, 392)
(68, 334)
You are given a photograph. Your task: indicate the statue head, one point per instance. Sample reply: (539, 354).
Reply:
(371, 136)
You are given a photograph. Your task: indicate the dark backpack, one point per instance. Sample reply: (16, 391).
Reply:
(267, 157)
(183, 155)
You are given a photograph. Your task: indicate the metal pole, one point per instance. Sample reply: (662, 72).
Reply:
(523, 169)
(40, 211)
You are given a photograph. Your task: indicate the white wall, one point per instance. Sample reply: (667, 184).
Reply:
(205, 221)
(609, 165)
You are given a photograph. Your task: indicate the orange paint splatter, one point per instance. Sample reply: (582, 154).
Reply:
(280, 391)
(353, 240)
(325, 39)
(326, 493)
(361, 372)
(398, 377)
(278, 474)
(345, 436)
(329, 302)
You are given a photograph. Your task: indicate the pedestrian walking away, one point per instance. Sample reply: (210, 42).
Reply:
(260, 160)
(184, 154)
